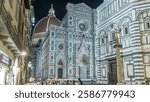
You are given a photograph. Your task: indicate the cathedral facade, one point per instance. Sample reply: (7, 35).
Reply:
(65, 48)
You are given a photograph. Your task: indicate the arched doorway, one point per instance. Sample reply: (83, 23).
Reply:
(60, 69)
(84, 67)
(112, 74)
(60, 73)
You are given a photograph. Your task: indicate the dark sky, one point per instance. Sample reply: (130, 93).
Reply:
(42, 7)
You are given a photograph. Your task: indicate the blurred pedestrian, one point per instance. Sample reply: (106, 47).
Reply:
(80, 82)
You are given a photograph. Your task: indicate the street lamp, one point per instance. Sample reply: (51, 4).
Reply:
(23, 53)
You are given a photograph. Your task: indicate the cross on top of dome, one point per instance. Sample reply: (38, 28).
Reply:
(51, 11)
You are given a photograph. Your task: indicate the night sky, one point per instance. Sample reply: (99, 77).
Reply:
(42, 7)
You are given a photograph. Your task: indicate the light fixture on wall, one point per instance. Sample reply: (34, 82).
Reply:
(23, 53)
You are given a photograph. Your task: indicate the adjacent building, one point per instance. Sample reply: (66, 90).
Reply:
(15, 30)
(131, 20)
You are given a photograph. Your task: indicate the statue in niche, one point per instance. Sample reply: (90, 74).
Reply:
(70, 60)
(60, 63)
(88, 48)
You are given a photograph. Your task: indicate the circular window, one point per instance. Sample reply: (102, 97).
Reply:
(83, 26)
(60, 46)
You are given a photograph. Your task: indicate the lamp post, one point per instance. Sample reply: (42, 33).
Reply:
(120, 74)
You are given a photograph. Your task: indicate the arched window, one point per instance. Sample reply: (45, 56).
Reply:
(126, 28)
(53, 34)
(113, 36)
(70, 60)
(51, 58)
(107, 39)
(147, 23)
(70, 18)
(103, 40)
(144, 18)
(143, 39)
(148, 39)
(102, 37)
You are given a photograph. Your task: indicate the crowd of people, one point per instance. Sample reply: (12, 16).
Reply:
(39, 81)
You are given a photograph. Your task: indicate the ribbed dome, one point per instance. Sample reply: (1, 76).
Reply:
(45, 22)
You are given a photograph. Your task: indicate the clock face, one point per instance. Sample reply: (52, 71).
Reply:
(60, 46)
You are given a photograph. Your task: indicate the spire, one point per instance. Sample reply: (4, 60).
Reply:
(51, 11)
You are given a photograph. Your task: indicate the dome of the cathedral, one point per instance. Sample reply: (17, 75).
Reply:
(44, 23)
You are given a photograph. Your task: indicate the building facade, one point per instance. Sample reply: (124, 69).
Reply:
(109, 44)
(65, 48)
(131, 19)
(15, 30)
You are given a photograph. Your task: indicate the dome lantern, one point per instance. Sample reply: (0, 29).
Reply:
(51, 11)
